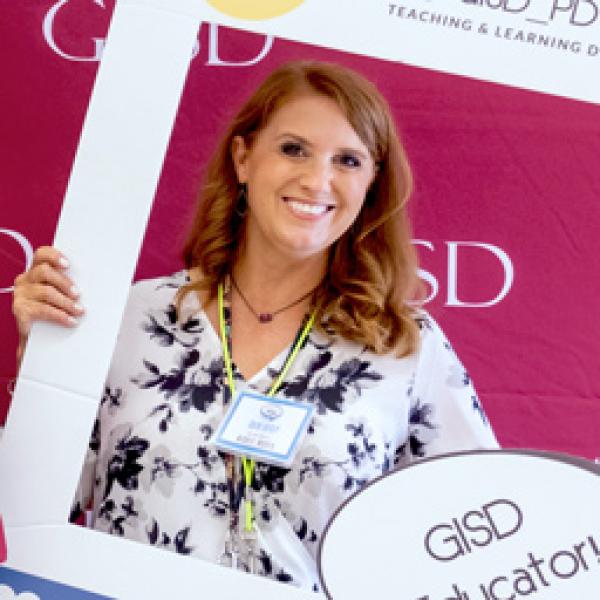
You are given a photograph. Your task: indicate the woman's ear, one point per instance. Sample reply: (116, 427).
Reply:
(239, 155)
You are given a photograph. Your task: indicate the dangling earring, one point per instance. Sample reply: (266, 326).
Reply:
(241, 206)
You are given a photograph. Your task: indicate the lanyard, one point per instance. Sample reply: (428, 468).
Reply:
(225, 330)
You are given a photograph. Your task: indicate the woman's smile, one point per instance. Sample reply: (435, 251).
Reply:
(307, 209)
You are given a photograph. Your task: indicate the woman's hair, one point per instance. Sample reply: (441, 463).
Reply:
(365, 295)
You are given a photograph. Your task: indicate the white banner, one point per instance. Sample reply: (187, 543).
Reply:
(550, 46)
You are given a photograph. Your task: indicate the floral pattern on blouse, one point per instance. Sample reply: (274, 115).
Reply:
(152, 474)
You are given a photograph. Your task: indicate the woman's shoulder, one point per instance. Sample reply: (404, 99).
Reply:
(430, 333)
(151, 313)
(164, 284)
(434, 349)
(436, 356)
(431, 340)
(433, 346)
(156, 292)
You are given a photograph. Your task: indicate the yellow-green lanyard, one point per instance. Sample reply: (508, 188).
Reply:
(249, 464)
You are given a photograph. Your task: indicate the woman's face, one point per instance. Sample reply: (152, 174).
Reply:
(307, 174)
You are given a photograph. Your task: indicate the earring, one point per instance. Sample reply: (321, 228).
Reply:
(241, 206)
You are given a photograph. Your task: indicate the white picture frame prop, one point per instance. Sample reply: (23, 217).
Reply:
(109, 196)
(108, 200)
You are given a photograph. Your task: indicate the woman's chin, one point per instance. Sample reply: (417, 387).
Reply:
(299, 248)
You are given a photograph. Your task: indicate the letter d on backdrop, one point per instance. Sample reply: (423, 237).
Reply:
(504, 259)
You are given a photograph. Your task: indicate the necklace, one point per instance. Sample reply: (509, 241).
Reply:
(267, 317)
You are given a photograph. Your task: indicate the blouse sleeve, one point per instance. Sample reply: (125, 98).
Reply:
(445, 414)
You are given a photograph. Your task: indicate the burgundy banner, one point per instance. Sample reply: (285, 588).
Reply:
(505, 209)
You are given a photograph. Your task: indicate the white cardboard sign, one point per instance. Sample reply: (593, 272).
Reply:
(551, 46)
(109, 196)
(490, 525)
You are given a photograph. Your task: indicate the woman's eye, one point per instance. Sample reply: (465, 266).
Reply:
(349, 160)
(292, 149)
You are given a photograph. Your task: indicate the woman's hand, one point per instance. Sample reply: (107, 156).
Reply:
(44, 293)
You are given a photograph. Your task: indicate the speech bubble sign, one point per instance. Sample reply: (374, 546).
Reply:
(486, 525)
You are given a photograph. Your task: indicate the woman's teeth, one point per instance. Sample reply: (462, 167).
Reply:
(308, 209)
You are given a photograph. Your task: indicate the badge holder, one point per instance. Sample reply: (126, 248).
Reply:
(265, 428)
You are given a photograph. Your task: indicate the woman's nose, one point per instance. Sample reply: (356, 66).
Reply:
(317, 176)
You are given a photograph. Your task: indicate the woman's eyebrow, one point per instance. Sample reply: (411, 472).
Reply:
(298, 138)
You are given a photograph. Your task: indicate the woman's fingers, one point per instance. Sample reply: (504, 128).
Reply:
(31, 311)
(45, 273)
(49, 267)
(48, 295)
(43, 303)
(45, 293)
(50, 255)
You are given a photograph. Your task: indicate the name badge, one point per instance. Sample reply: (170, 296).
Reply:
(263, 427)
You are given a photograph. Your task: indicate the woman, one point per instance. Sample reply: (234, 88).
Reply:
(299, 264)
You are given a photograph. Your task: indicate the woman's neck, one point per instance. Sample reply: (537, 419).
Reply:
(270, 282)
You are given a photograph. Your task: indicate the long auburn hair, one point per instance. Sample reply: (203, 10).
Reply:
(365, 296)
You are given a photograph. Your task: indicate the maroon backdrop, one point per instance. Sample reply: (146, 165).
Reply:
(499, 172)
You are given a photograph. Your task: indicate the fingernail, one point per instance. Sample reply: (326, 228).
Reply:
(78, 307)
(74, 290)
(63, 262)
(72, 320)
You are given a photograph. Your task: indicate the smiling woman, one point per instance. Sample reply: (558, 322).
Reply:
(299, 272)
(314, 132)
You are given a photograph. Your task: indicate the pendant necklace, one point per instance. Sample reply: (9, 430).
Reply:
(267, 317)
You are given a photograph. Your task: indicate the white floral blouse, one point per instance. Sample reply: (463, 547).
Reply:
(153, 476)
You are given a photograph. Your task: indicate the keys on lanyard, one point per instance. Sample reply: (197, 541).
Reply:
(241, 546)
(241, 551)
(230, 555)
(249, 549)
(247, 526)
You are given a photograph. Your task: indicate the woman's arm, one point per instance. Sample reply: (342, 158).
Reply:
(445, 412)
